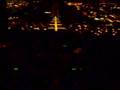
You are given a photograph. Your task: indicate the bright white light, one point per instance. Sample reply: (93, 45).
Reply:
(15, 68)
(105, 15)
(36, 28)
(99, 31)
(101, 18)
(96, 19)
(31, 26)
(9, 28)
(47, 12)
(9, 18)
(16, 5)
(91, 12)
(78, 8)
(79, 25)
(69, 3)
(45, 29)
(118, 7)
(114, 7)
(98, 27)
(113, 34)
(85, 26)
(112, 16)
(22, 28)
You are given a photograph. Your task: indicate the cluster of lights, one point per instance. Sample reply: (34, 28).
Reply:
(85, 6)
(76, 4)
(14, 4)
(14, 21)
(79, 27)
(91, 13)
(100, 31)
(33, 26)
(103, 18)
(115, 7)
(24, 26)
(110, 5)
(103, 13)
(114, 32)
(11, 18)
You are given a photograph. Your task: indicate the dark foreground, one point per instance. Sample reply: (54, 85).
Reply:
(59, 61)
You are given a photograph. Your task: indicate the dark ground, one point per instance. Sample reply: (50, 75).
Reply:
(45, 62)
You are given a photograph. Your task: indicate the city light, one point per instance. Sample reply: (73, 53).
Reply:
(69, 3)
(118, 28)
(9, 28)
(96, 19)
(113, 34)
(17, 4)
(22, 28)
(100, 16)
(76, 30)
(47, 12)
(109, 20)
(102, 19)
(74, 69)
(45, 29)
(106, 30)
(15, 68)
(56, 24)
(31, 26)
(91, 31)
